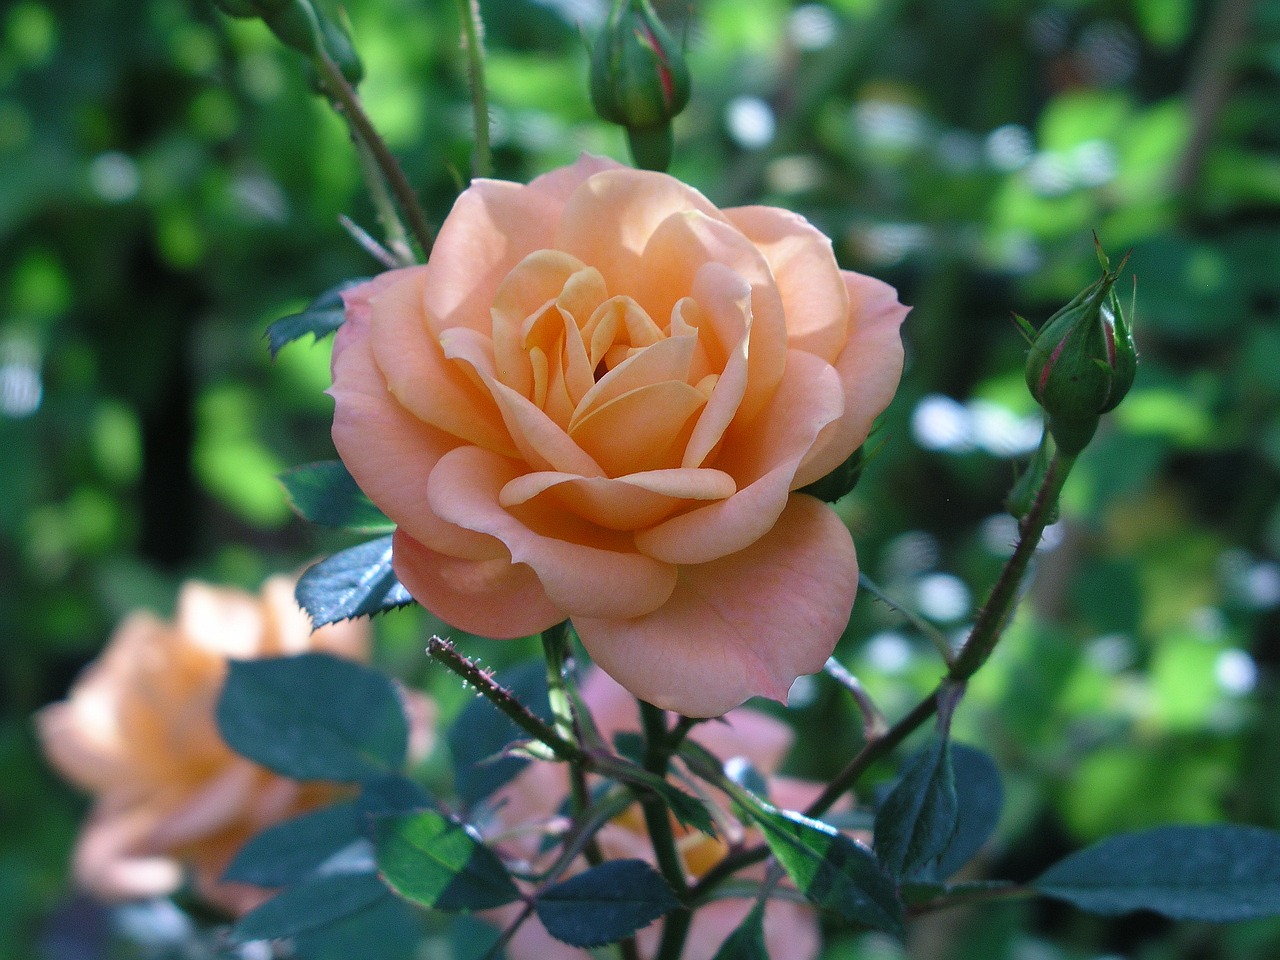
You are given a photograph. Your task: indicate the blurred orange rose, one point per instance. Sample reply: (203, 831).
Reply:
(138, 731)
(597, 401)
(535, 798)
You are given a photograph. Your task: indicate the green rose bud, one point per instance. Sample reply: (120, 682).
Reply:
(639, 80)
(1082, 363)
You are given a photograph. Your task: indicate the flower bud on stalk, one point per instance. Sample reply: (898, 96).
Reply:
(639, 80)
(1082, 363)
(298, 25)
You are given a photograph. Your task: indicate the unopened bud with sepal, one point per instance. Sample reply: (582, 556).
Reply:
(1082, 362)
(639, 80)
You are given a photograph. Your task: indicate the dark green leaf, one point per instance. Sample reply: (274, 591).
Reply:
(310, 904)
(747, 942)
(605, 904)
(688, 809)
(980, 798)
(391, 795)
(313, 717)
(356, 582)
(918, 818)
(481, 732)
(319, 318)
(1214, 873)
(325, 493)
(288, 852)
(387, 929)
(829, 868)
(433, 860)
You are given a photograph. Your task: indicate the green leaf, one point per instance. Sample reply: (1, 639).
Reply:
(391, 795)
(433, 861)
(288, 852)
(310, 904)
(918, 818)
(1213, 873)
(605, 904)
(387, 929)
(980, 799)
(481, 732)
(313, 717)
(827, 867)
(747, 942)
(321, 317)
(356, 582)
(325, 493)
(688, 809)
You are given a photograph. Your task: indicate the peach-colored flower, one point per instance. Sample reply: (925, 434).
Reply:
(535, 797)
(597, 400)
(138, 731)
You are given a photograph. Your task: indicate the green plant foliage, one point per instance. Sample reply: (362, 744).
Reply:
(918, 818)
(481, 732)
(979, 802)
(387, 929)
(288, 852)
(325, 493)
(356, 582)
(315, 902)
(827, 867)
(604, 904)
(747, 941)
(1214, 873)
(434, 861)
(321, 317)
(313, 717)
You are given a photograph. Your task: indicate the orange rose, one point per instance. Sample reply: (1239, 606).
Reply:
(597, 401)
(138, 731)
(536, 796)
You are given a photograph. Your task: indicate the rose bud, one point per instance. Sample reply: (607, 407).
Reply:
(639, 80)
(1082, 363)
(301, 27)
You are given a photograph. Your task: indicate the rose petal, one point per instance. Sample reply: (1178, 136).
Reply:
(665, 360)
(543, 443)
(586, 571)
(762, 457)
(809, 280)
(608, 220)
(494, 225)
(744, 625)
(726, 301)
(357, 303)
(113, 862)
(436, 391)
(622, 503)
(675, 262)
(870, 366)
(645, 429)
(558, 185)
(533, 286)
(491, 598)
(390, 454)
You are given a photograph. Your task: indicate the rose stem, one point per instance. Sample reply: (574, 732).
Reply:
(444, 651)
(397, 239)
(473, 43)
(874, 724)
(973, 654)
(940, 643)
(351, 108)
(555, 647)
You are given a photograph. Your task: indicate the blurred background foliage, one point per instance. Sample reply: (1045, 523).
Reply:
(169, 185)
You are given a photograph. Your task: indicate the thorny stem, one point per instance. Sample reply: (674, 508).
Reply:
(973, 654)
(383, 205)
(940, 643)
(556, 649)
(656, 758)
(874, 723)
(362, 127)
(444, 652)
(473, 43)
